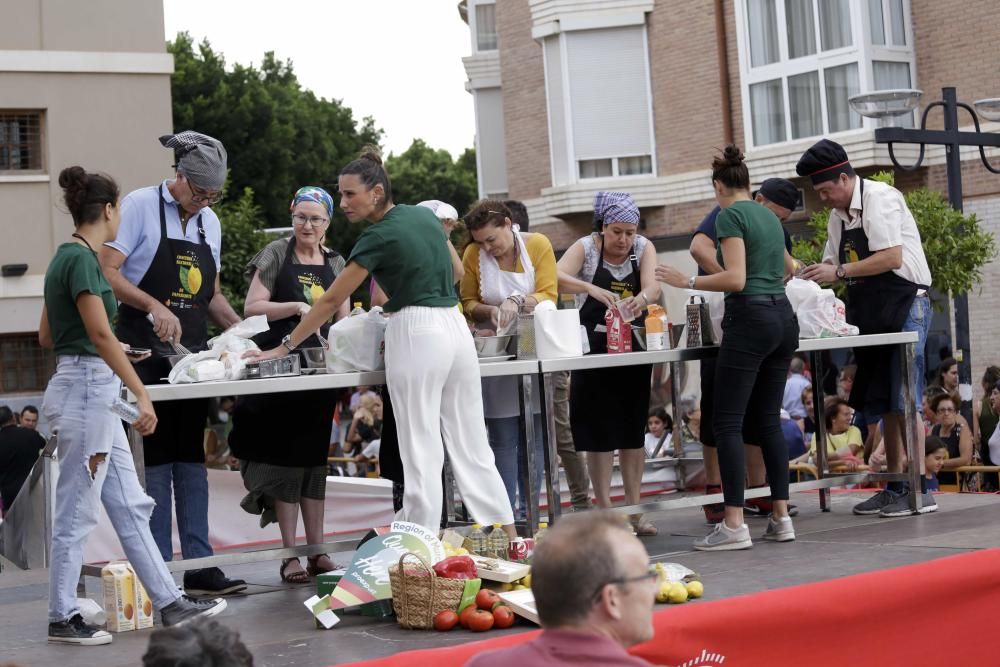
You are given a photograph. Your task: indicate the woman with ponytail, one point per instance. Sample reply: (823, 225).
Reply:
(760, 333)
(95, 461)
(430, 358)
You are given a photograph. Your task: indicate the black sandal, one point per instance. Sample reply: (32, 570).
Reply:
(300, 577)
(315, 570)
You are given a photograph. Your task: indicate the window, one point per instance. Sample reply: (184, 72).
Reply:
(486, 27)
(600, 113)
(24, 364)
(20, 141)
(802, 60)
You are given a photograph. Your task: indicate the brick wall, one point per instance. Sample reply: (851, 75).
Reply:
(984, 304)
(525, 115)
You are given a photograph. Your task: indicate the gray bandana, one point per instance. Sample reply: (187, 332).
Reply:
(200, 157)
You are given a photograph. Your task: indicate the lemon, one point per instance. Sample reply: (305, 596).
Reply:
(678, 593)
(461, 551)
(695, 589)
(520, 587)
(506, 586)
(663, 594)
(194, 280)
(526, 581)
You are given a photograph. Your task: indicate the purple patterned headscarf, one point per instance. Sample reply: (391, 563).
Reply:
(612, 207)
(314, 194)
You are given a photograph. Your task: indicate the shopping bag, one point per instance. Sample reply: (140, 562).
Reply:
(823, 315)
(798, 291)
(700, 332)
(619, 332)
(357, 343)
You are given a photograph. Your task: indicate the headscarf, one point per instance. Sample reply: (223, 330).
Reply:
(314, 194)
(442, 210)
(201, 158)
(612, 207)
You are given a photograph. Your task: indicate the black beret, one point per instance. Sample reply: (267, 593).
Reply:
(781, 191)
(824, 161)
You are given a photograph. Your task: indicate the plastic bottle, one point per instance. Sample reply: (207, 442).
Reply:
(125, 411)
(358, 309)
(498, 542)
(543, 527)
(655, 329)
(477, 540)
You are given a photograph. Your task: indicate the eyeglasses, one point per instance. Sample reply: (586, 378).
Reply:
(945, 410)
(301, 220)
(650, 577)
(199, 196)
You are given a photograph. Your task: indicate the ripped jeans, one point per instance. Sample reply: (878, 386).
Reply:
(76, 404)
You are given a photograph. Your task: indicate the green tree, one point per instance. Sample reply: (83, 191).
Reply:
(421, 172)
(241, 240)
(956, 246)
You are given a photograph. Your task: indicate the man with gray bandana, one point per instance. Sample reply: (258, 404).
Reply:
(164, 268)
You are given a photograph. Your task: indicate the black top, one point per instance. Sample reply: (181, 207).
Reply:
(19, 449)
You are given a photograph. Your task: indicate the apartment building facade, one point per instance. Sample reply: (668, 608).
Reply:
(83, 83)
(637, 95)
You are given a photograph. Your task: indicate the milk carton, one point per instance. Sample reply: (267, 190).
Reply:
(143, 607)
(118, 580)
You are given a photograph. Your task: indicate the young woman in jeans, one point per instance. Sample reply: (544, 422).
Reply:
(95, 462)
(760, 333)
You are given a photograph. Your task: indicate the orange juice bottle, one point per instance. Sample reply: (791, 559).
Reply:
(655, 329)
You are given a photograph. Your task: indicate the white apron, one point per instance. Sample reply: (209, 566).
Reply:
(501, 398)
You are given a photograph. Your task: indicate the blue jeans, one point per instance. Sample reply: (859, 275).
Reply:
(76, 405)
(190, 494)
(506, 440)
(919, 320)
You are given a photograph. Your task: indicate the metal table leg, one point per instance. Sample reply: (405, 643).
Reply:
(911, 437)
(138, 454)
(675, 392)
(553, 490)
(527, 456)
(816, 364)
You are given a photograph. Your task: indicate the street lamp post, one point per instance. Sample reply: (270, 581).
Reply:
(882, 104)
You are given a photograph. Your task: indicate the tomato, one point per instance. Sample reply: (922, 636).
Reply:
(445, 620)
(486, 598)
(503, 617)
(466, 614)
(480, 621)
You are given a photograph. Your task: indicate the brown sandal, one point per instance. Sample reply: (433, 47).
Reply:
(300, 577)
(644, 528)
(314, 570)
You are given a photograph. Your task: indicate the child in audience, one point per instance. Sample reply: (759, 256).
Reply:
(658, 423)
(935, 453)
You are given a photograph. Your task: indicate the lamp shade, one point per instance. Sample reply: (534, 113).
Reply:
(885, 103)
(988, 108)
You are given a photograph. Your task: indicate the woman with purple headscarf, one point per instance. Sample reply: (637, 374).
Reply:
(608, 406)
(285, 469)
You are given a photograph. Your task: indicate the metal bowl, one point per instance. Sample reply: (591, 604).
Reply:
(492, 346)
(315, 357)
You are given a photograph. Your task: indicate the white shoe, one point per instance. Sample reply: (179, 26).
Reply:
(724, 538)
(779, 530)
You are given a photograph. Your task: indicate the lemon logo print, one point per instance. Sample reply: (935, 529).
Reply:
(312, 293)
(190, 279)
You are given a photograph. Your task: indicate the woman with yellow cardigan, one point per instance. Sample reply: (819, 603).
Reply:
(506, 272)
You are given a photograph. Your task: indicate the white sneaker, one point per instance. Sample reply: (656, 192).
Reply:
(724, 538)
(779, 530)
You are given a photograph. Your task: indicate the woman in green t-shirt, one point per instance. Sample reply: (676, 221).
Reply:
(431, 364)
(95, 461)
(760, 335)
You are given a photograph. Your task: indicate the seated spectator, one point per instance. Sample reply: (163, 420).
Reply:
(793, 436)
(984, 422)
(845, 381)
(927, 413)
(690, 424)
(807, 424)
(794, 386)
(594, 590)
(947, 376)
(19, 448)
(29, 418)
(204, 644)
(993, 444)
(658, 427)
(843, 441)
(954, 431)
(935, 453)
(365, 427)
(361, 391)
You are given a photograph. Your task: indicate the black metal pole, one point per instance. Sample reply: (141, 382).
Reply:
(953, 157)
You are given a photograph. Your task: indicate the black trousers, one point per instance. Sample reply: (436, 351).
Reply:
(760, 335)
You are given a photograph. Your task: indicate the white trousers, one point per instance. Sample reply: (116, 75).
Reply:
(433, 376)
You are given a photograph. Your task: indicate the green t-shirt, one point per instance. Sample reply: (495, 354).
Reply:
(407, 253)
(73, 271)
(761, 232)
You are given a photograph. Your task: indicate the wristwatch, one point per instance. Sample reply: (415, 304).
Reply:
(691, 282)
(287, 342)
(841, 273)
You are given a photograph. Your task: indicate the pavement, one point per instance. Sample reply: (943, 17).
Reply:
(279, 631)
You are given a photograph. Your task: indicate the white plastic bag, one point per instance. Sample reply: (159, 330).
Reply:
(357, 343)
(557, 332)
(234, 341)
(799, 290)
(198, 367)
(823, 316)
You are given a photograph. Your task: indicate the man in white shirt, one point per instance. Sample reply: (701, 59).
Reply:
(874, 246)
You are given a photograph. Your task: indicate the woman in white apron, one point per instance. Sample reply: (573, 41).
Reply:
(506, 272)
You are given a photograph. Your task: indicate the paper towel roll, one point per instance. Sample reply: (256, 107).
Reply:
(557, 333)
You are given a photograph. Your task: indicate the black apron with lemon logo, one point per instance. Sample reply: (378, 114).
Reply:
(182, 277)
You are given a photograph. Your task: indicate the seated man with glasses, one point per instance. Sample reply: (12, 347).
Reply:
(164, 268)
(594, 590)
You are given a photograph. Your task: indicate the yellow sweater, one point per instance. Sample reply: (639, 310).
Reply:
(542, 258)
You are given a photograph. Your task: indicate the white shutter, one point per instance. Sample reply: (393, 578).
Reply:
(561, 174)
(609, 85)
(492, 147)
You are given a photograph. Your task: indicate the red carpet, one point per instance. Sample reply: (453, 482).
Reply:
(933, 613)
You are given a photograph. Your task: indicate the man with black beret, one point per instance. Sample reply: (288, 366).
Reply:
(874, 246)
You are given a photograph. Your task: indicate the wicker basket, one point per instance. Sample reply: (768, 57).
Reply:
(418, 593)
